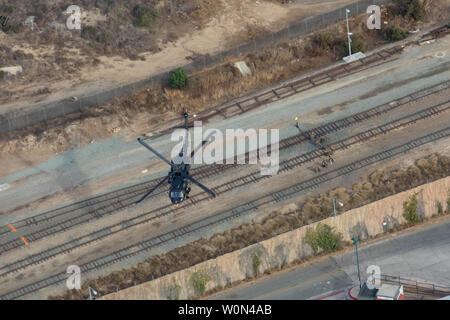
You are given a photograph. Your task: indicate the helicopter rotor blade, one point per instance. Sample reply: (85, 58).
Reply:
(185, 143)
(202, 144)
(153, 189)
(154, 151)
(210, 192)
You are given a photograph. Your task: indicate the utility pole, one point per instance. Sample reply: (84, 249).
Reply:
(355, 242)
(92, 293)
(334, 207)
(348, 33)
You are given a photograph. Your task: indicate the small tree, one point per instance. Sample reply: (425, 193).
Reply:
(394, 34)
(90, 32)
(357, 45)
(411, 9)
(440, 209)
(410, 209)
(144, 16)
(199, 279)
(174, 291)
(178, 79)
(323, 237)
(256, 258)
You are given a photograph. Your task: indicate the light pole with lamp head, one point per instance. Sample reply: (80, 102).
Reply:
(348, 33)
(355, 242)
(334, 206)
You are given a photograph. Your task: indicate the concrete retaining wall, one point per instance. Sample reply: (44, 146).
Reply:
(275, 252)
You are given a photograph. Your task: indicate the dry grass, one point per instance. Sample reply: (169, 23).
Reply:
(379, 184)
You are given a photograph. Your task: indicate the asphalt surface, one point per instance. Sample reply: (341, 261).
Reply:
(422, 255)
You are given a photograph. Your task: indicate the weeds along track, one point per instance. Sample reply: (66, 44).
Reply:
(241, 181)
(229, 214)
(64, 218)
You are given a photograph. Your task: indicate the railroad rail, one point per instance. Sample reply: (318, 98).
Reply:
(103, 205)
(440, 32)
(229, 214)
(253, 177)
(289, 88)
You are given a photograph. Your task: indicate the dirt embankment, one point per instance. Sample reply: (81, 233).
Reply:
(50, 53)
(148, 108)
(379, 184)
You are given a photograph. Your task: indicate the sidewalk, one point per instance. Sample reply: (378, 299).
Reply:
(343, 294)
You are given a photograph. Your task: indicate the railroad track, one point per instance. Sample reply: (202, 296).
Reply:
(230, 214)
(253, 177)
(289, 88)
(103, 205)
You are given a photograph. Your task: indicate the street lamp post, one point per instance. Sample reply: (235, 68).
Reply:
(348, 33)
(334, 206)
(355, 242)
(92, 293)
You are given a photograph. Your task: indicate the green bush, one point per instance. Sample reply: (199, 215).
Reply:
(394, 34)
(105, 37)
(440, 209)
(411, 9)
(7, 9)
(357, 45)
(256, 259)
(324, 41)
(144, 16)
(174, 291)
(2, 74)
(410, 209)
(89, 32)
(199, 279)
(11, 28)
(178, 79)
(323, 238)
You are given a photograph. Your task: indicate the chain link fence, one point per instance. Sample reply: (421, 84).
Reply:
(38, 113)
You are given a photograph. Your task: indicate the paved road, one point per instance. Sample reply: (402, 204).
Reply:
(422, 255)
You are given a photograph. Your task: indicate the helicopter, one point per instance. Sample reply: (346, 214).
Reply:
(178, 176)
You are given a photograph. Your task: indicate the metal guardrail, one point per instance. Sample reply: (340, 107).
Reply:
(417, 287)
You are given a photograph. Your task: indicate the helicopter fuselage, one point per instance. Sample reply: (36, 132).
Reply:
(179, 186)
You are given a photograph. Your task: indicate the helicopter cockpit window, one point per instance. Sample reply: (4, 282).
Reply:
(176, 194)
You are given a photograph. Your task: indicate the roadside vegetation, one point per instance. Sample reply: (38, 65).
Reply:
(256, 262)
(199, 279)
(174, 291)
(410, 210)
(411, 9)
(323, 239)
(178, 79)
(394, 34)
(378, 184)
